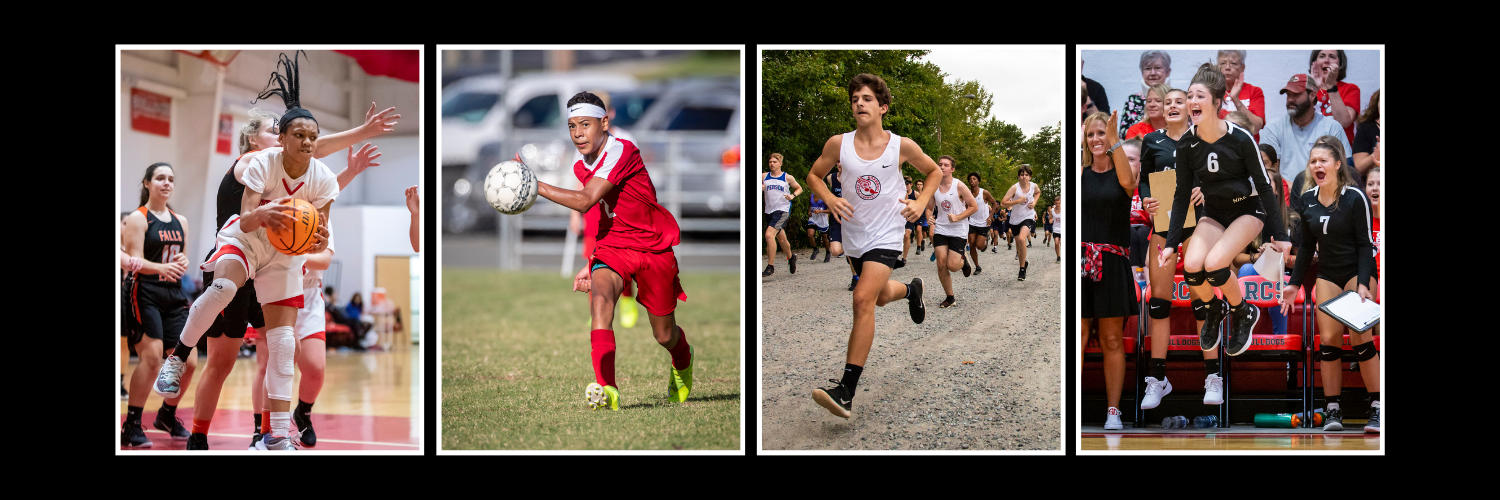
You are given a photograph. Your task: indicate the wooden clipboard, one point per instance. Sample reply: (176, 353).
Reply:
(1163, 188)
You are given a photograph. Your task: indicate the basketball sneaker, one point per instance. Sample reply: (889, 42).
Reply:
(1112, 422)
(168, 421)
(836, 399)
(628, 312)
(168, 376)
(304, 436)
(1333, 419)
(197, 442)
(1155, 390)
(134, 436)
(1373, 426)
(1213, 390)
(1240, 326)
(274, 443)
(254, 438)
(914, 301)
(680, 382)
(1213, 321)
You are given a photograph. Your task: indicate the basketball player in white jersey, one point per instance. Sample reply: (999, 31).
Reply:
(779, 190)
(873, 215)
(243, 252)
(1023, 196)
(979, 223)
(952, 205)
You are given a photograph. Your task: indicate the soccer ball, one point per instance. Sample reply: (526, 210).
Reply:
(510, 187)
(596, 397)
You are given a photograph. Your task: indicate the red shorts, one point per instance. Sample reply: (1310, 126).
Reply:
(655, 276)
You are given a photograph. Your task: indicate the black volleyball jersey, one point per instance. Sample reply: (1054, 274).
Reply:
(1158, 153)
(1340, 234)
(162, 243)
(1229, 172)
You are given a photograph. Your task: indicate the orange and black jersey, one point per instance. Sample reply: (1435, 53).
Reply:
(162, 243)
(1230, 175)
(1340, 234)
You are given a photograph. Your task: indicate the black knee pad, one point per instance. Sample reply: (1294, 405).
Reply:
(1159, 308)
(1218, 277)
(1366, 351)
(1330, 353)
(1200, 310)
(1192, 278)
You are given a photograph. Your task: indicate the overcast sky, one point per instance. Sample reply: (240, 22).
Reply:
(1026, 81)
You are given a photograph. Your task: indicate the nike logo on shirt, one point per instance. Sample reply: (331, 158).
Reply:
(885, 166)
(1158, 141)
(1193, 145)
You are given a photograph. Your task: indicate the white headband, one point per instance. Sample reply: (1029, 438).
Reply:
(585, 109)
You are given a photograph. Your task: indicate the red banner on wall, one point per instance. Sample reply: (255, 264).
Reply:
(150, 112)
(226, 132)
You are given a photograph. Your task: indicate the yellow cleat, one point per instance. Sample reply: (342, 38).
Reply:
(681, 381)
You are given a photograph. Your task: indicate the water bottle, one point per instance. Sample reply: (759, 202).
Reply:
(1177, 422)
(1206, 421)
(1279, 420)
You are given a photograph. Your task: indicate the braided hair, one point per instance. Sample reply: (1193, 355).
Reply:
(288, 87)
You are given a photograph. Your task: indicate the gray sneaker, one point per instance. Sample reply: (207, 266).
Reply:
(168, 376)
(275, 443)
(1373, 426)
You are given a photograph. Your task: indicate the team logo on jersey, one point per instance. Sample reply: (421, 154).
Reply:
(867, 187)
(947, 207)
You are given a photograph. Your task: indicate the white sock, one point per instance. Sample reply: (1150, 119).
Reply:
(281, 422)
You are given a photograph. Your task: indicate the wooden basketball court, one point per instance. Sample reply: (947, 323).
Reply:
(367, 403)
(1238, 438)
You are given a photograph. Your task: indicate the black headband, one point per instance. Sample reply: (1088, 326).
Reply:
(293, 114)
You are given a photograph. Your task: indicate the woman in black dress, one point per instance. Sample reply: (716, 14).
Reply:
(1107, 185)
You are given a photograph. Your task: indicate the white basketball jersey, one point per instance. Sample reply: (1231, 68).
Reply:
(1024, 211)
(875, 189)
(776, 190)
(267, 175)
(949, 203)
(981, 217)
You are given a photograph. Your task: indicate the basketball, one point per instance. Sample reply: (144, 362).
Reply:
(299, 237)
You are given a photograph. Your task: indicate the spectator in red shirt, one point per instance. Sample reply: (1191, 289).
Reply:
(1242, 95)
(1155, 117)
(1336, 99)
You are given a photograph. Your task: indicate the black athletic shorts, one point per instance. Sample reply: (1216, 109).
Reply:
(1226, 215)
(835, 230)
(954, 243)
(162, 310)
(775, 219)
(882, 256)
(1140, 239)
(243, 310)
(979, 230)
(1015, 229)
(911, 226)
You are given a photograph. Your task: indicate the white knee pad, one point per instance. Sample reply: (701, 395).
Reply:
(216, 296)
(282, 343)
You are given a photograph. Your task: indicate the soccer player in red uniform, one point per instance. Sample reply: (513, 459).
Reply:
(633, 240)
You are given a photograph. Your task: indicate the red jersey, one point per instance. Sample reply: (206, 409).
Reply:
(1252, 99)
(1139, 129)
(628, 215)
(1350, 94)
(1138, 214)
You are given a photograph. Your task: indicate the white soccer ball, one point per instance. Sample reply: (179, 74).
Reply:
(510, 187)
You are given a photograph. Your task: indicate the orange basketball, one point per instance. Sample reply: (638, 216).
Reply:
(299, 238)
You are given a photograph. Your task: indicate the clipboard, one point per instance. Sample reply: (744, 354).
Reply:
(1349, 310)
(1164, 188)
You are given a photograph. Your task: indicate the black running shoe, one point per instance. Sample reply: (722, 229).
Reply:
(1241, 325)
(1333, 420)
(134, 436)
(769, 271)
(853, 280)
(835, 399)
(168, 421)
(197, 442)
(1210, 335)
(967, 270)
(814, 255)
(305, 438)
(826, 255)
(978, 270)
(948, 302)
(1022, 275)
(792, 263)
(1373, 426)
(914, 301)
(254, 438)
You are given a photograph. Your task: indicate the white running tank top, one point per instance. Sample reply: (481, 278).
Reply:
(1057, 222)
(949, 203)
(875, 189)
(1024, 211)
(981, 217)
(776, 191)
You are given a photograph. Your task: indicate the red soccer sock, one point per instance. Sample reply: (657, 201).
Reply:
(200, 426)
(681, 357)
(603, 342)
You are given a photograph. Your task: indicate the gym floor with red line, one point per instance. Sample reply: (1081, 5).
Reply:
(1242, 437)
(369, 401)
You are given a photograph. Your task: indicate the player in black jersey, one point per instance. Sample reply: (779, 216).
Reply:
(1336, 224)
(156, 235)
(1224, 160)
(228, 329)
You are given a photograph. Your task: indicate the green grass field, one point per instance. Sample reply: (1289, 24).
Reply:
(515, 362)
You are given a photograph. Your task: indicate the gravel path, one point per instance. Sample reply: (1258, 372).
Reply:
(915, 392)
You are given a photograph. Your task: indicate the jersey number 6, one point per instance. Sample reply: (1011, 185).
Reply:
(1213, 162)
